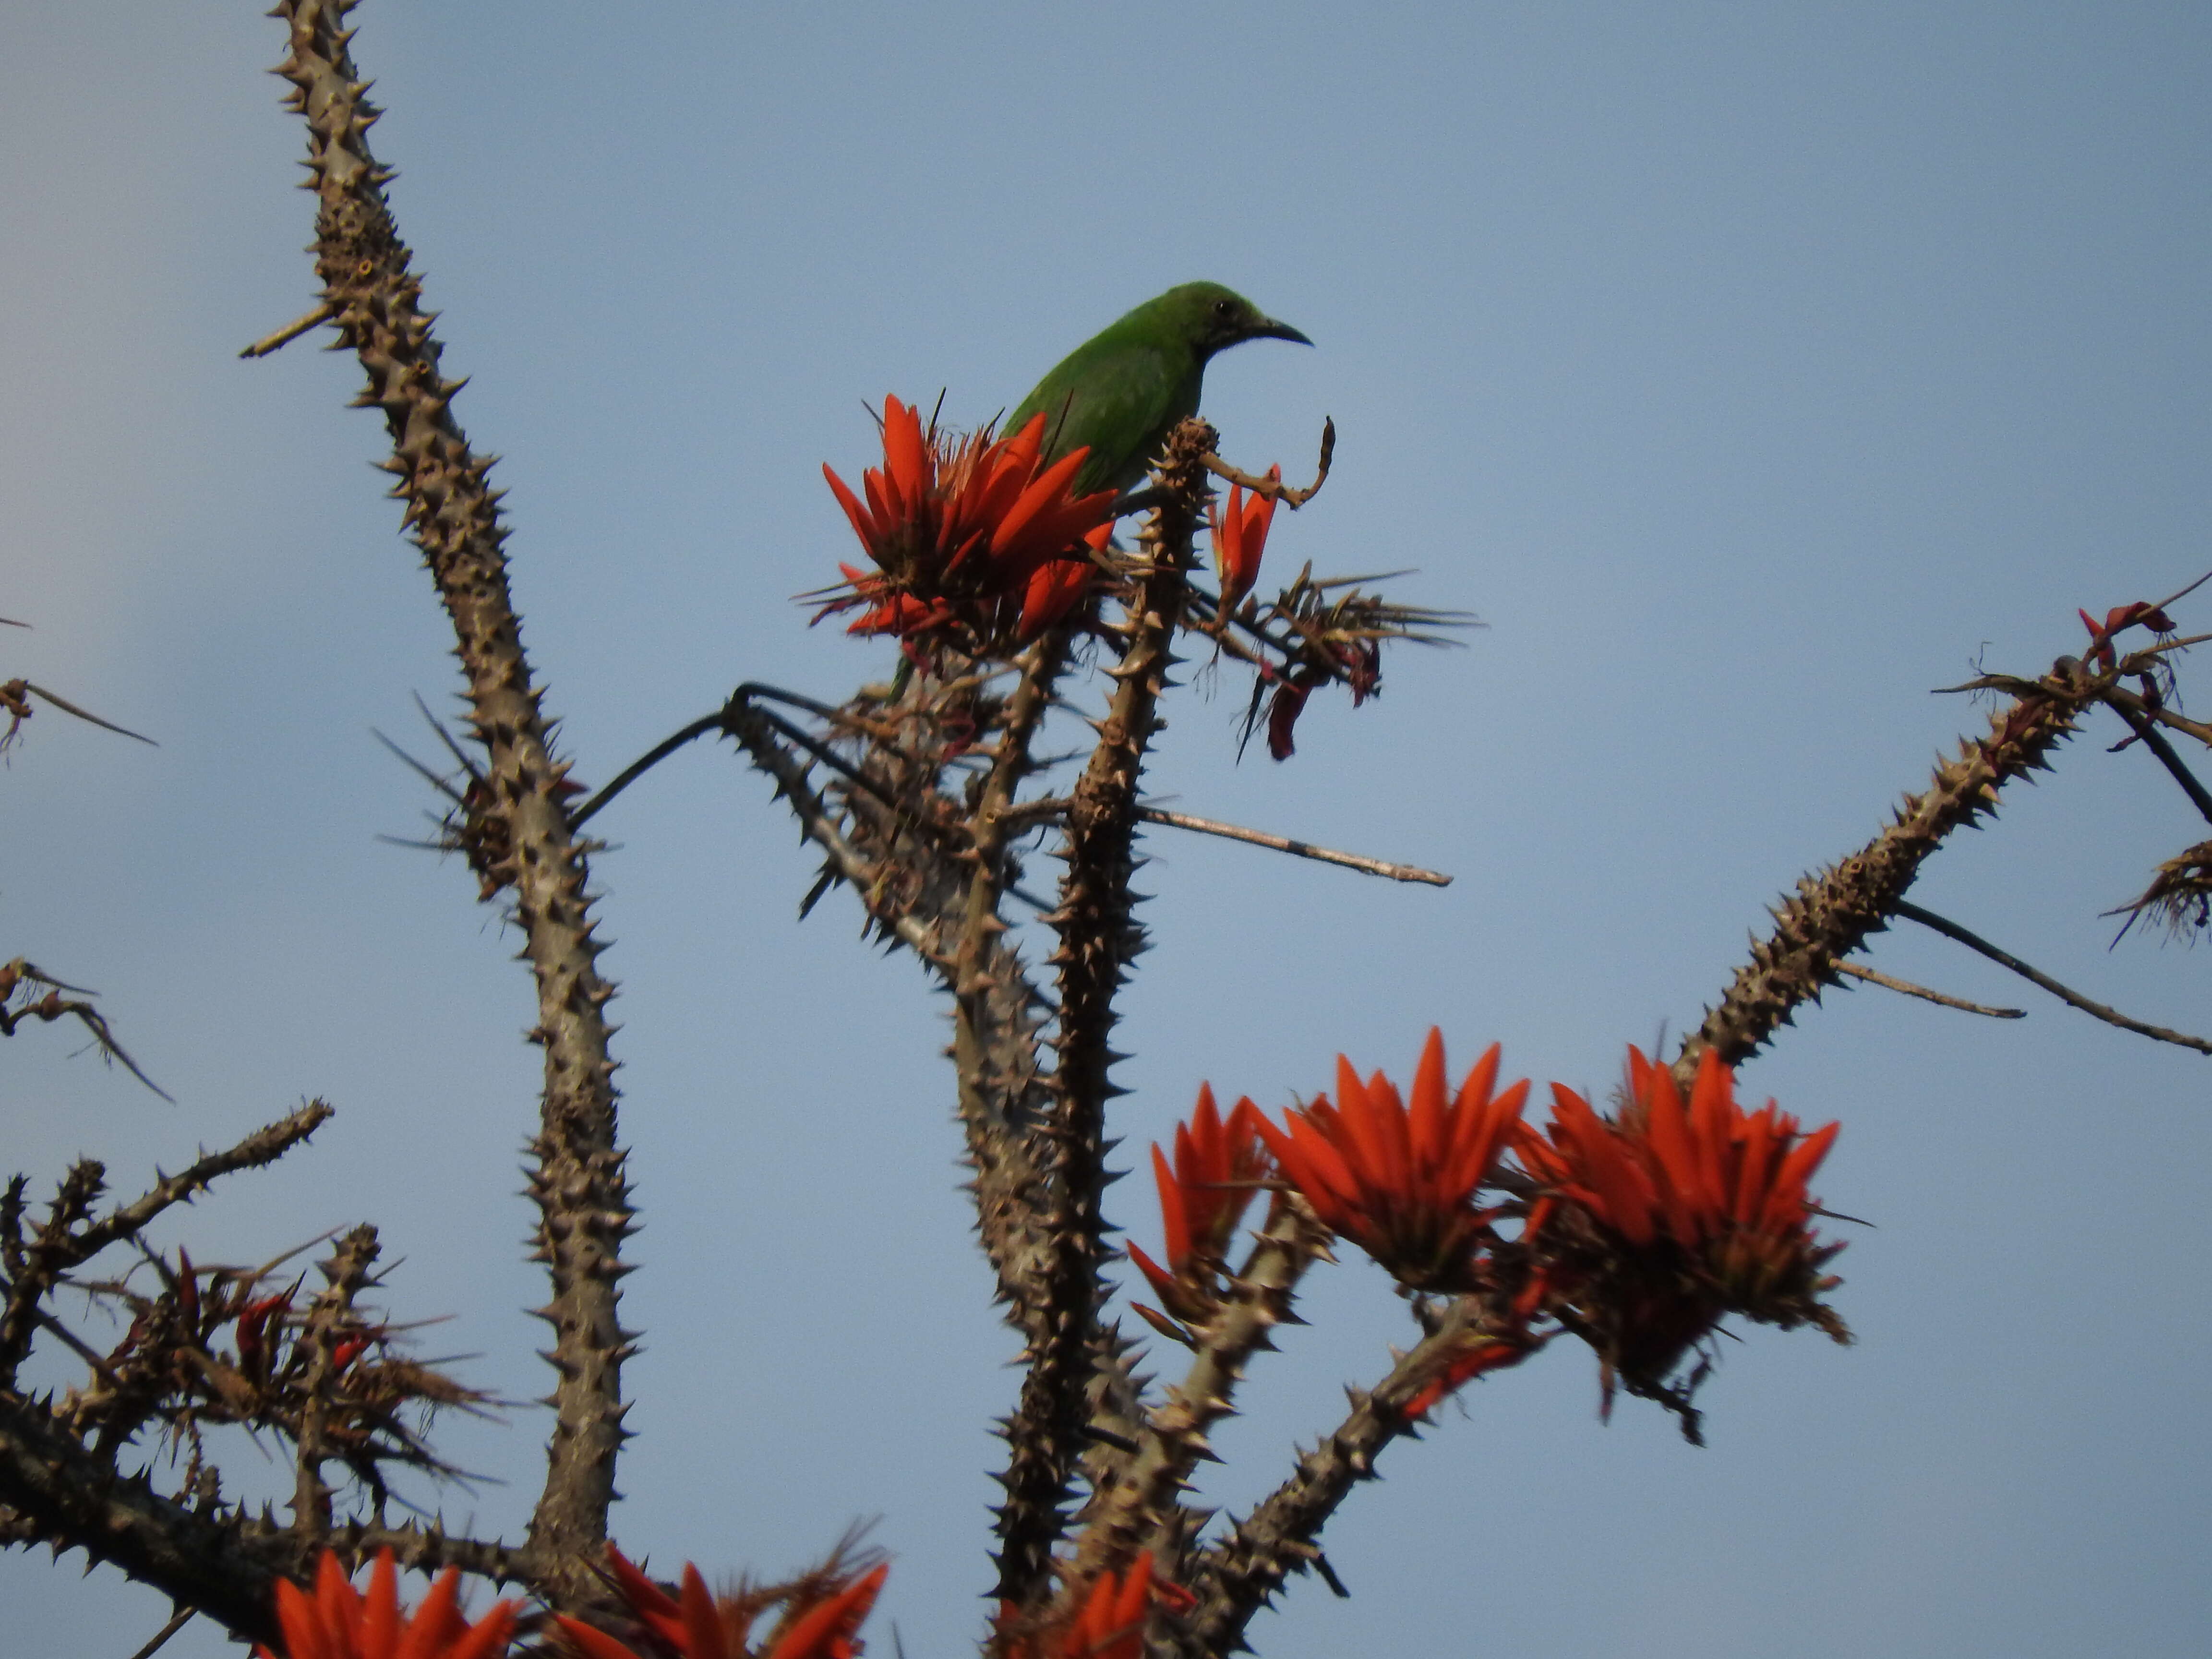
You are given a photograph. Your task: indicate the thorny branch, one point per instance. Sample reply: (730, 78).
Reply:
(578, 1181)
(1142, 1507)
(32, 1279)
(1236, 1578)
(1834, 910)
(1099, 940)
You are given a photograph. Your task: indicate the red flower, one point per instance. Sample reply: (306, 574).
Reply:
(822, 1615)
(1240, 537)
(1656, 1224)
(1401, 1184)
(2118, 617)
(335, 1623)
(977, 543)
(1110, 1624)
(1218, 1169)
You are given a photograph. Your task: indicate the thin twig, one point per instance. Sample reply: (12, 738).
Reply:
(1304, 849)
(1875, 976)
(1950, 929)
(87, 715)
(1275, 488)
(717, 722)
(178, 1620)
(292, 331)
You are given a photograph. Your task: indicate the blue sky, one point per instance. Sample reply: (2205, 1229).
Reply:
(1750, 372)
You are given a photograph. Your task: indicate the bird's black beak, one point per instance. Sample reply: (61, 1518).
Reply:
(1269, 329)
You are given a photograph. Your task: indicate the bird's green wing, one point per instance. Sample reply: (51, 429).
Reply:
(1116, 397)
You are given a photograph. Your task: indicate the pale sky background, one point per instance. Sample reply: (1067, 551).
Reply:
(1749, 370)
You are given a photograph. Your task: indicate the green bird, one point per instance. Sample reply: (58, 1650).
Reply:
(1122, 391)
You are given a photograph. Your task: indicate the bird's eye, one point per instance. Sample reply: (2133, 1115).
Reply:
(1223, 307)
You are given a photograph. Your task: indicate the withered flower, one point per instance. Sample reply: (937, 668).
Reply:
(977, 544)
(2119, 618)
(1399, 1182)
(337, 1623)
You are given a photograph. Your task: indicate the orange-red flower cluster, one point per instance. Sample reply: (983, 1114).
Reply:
(977, 543)
(1110, 1624)
(1656, 1224)
(1218, 1169)
(1240, 537)
(336, 1622)
(1400, 1181)
(822, 1617)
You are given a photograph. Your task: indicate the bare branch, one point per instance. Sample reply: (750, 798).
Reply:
(1873, 976)
(1275, 488)
(1304, 849)
(345, 1275)
(578, 1182)
(291, 331)
(1950, 929)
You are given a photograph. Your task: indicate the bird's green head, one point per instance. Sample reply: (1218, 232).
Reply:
(1214, 318)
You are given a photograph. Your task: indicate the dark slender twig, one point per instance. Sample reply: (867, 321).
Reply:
(720, 721)
(717, 722)
(1875, 976)
(2152, 740)
(1304, 849)
(178, 1620)
(1950, 929)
